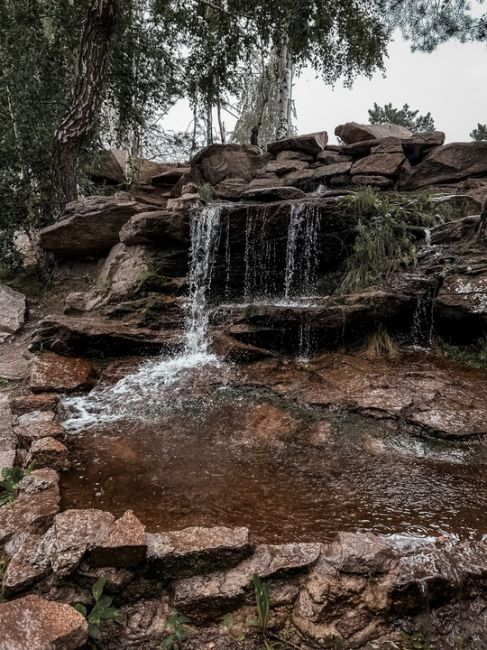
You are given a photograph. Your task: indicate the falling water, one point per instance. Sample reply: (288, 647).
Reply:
(423, 319)
(301, 253)
(427, 237)
(142, 394)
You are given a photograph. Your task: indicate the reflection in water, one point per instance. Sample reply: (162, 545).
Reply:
(236, 459)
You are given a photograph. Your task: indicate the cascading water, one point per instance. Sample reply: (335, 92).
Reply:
(141, 394)
(301, 253)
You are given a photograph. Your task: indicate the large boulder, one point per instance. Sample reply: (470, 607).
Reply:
(449, 163)
(12, 312)
(57, 373)
(90, 226)
(111, 166)
(38, 624)
(352, 132)
(379, 164)
(217, 162)
(161, 228)
(309, 143)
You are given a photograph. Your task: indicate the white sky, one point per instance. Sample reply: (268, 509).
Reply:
(451, 83)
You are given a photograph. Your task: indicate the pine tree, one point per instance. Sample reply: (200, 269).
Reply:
(404, 116)
(480, 133)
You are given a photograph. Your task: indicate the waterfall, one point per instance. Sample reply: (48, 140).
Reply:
(423, 319)
(301, 253)
(158, 384)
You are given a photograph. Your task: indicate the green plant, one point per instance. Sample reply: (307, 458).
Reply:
(229, 625)
(9, 485)
(177, 629)
(474, 355)
(206, 192)
(381, 344)
(415, 642)
(102, 610)
(3, 567)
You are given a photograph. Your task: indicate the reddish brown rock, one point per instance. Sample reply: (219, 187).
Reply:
(373, 181)
(36, 425)
(231, 188)
(293, 154)
(161, 228)
(324, 172)
(169, 177)
(48, 452)
(218, 162)
(13, 307)
(26, 403)
(266, 183)
(332, 157)
(34, 623)
(282, 167)
(55, 372)
(26, 566)
(281, 193)
(310, 143)
(111, 165)
(124, 547)
(352, 132)
(379, 164)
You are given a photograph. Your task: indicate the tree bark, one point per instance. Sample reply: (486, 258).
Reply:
(285, 75)
(85, 102)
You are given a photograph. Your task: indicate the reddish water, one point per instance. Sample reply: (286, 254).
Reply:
(240, 460)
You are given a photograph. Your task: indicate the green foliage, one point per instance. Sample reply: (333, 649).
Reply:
(206, 192)
(474, 356)
(480, 133)
(177, 631)
(404, 116)
(101, 611)
(9, 485)
(383, 242)
(415, 642)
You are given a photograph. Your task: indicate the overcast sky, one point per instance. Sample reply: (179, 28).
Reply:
(451, 83)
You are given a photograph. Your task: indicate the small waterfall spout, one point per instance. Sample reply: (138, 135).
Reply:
(301, 253)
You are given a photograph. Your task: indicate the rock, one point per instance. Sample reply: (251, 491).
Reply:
(310, 143)
(26, 403)
(373, 181)
(465, 294)
(231, 188)
(281, 193)
(332, 157)
(13, 307)
(73, 533)
(123, 272)
(58, 373)
(327, 171)
(90, 226)
(25, 568)
(451, 162)
(38, 624)
(300, 178)
(36, 425)
(282, 167)
(266, 183)
(294, 154)
(415, 147)
(94, 336)
(48, 452)
(379, 164)
(352, 132)
(185, 203)
(230, 349)
(140, 625)
(35, 506)
(170, 177)
(160, 228)
(111, 166)
(388, 145)
(218, 162)
(125, 545)
(196, 550)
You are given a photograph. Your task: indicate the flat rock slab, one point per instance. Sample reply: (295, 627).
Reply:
(58, 373)
(26, 566)
(8, 441)
(13, 307)
(352, 132)
(311, 143)
(280, 193)
(380, 164)
(33, 623)
(125, 545)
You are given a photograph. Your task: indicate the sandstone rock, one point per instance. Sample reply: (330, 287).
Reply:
(379, 164)
(35, 506)
(282, 167)
(90, 226)
(170, 177)
(415, 147)
(140, 625)
(294, 154)
(94, 335)
(310, 143)
(27, 403)
(332, 157)
(266, 183)
(36, 425)
(373, 181)
(464, 295)
(73, 533)
(300, 178)
(38, 624)
(352, 132)
(451, 162)
(231, 188)
(388, 145)
(48, 452)
(196, 550)
(111, 165)
(185, 203)
(125, 545)
(230, 349)
(8, 440)
(12, 312)
(218, 162)
(327, 171)
(58, 373)
(26, 567)
(123, 272)
(161, 228)
(281, 193)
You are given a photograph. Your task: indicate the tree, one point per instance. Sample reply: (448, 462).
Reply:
(403, 116)
(480, 133)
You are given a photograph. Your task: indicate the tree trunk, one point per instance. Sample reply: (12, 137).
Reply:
(285, 74)
(79, 119)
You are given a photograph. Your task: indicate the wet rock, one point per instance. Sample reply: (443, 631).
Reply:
(379, 164)
(13, 308)
(451, 162)
(282, 167)
(463, 297)
(125, 545)
(281, 193)
(48, 452)
(35, 506)
(352, 132)
(38, 624)
(90, 226)
(196, 550)
(161, 228)
(73, 533)
(26, 567)
(8, 440)
(231, 188)
(37, 425)
(300, 178)
(58, 373)
(26, 403)
(373, 181)
(294, 154)
(230, 349)
(327, 171)
(170, 176)
(332, 157)
(218, 162)
(269, 182)
(185, 203)
(310, 143)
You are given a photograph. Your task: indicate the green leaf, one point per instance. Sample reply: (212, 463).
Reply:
(98, 588)
(81, 609)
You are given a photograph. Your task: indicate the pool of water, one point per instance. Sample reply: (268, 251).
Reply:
(289, 473)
